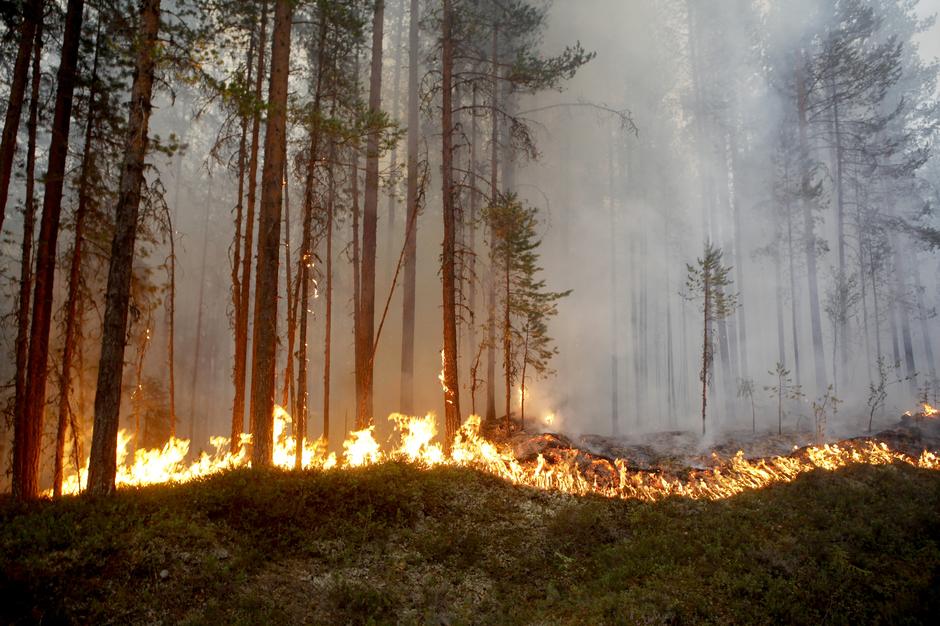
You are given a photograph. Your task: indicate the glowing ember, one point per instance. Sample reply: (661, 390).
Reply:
(470, 449)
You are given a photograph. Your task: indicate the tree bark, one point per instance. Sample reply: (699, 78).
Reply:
(29, 227)
(328, 318)
(365, 330)
(451, 391)
(264, 343)
(103, 462)
(28, 425)
(72, 321)
(494, 198)
(32, 22)
(809, 236)
(237, 246)
(200, 309)
(410, 279)
(241, 326)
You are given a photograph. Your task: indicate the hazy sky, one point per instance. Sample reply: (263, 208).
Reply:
(930, 41)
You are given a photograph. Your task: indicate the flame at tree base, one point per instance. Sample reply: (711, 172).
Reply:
(730, 477)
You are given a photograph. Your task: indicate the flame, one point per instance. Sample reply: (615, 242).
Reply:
(416, 445)
(929, 411)
(441, 378)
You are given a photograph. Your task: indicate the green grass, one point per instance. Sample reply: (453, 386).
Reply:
(394, 544)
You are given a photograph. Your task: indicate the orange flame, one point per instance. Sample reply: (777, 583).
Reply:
(470, 449)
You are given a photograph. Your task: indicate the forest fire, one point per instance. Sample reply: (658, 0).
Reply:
(729, 476)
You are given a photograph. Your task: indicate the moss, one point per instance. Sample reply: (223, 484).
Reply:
(395, 544)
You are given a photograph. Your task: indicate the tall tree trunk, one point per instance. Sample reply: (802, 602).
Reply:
(200, 309)
(72, 321)
(471, 227)
(396, 112)
(739, 256)
(614, 335)
(365, 330)
(809, 234)
(32, 22)
(706, 357)
(241, 327)
(264, 344)
(306, 251)
(794, 308)
(411, 237)
(328, 318)
(237, 248)
(29, 226)
(842, 330)
(28, 424)
(494, 198)
(448, 276)
(291, 297)
(171, 326)
(103, 462)
(507, 339)
(923, 316)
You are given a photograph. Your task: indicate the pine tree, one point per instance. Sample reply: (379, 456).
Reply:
(708, 281)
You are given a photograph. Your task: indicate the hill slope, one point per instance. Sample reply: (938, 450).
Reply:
(395, 544)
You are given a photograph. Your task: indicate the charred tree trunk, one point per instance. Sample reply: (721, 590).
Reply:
(72, 321)
(448, 275)
(365, 330)
(241, 325)
(28, 424)
(264, 343)
(103, 462)
(29, 227)
(411, 239)
(28, 41)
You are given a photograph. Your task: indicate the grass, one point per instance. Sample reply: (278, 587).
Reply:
(395, 544)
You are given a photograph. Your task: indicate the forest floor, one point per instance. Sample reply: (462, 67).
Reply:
(393, 543)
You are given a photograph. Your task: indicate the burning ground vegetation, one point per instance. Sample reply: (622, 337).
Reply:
(582, 530)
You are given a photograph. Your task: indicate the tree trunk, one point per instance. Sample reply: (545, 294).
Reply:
(237, 287)
(471, 227)
(809, 236)
(794, 317)
(28, 425)
(507, 338)
(614, 335)
(32, 22)
(396, 112)
(706, 360)
(171, 326)
(29, 226)
(103, 462)
(264, 343)
(411, 238)
(72, 321)
(448, 276)
(306, 253)
(494, 198)
(200, 308)
(241, 326)
(365, 330)
(328, 318)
